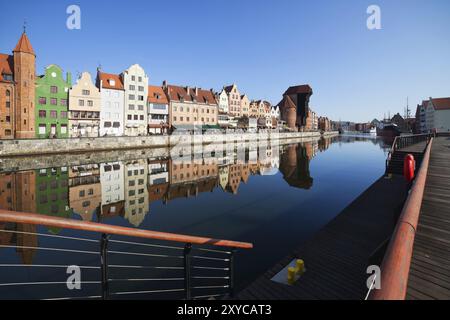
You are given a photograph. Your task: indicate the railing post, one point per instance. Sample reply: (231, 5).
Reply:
(104, 265)
(231, 275)
(187, 270)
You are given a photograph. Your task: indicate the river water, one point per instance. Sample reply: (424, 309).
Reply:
(274, 197)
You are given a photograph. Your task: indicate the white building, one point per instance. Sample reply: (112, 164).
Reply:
(222, 101)
(112, 182)
(135, 83)
(275, 112)
(158, 110)
(438, 115)
(112, 104)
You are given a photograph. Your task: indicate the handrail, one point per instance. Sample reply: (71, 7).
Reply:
(37, 219)
(397, 261)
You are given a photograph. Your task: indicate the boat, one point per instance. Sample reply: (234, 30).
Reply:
(388, 130)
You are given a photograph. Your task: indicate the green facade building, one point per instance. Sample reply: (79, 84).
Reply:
(52, 101)
(52, 193)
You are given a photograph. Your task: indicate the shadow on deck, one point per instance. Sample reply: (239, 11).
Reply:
(336, 258)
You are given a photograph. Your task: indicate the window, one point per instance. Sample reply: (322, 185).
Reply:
(131, 97)
(63, 128)
(81, 103)
(8, 104)
(141, 98)
(53, 101)
(107, 124)
(42, 100)
(141, 88)
(8, 93)
(8, 119)
(133, 78)
(129, 117)
(82, 193)
(141, 117)
(42, 129)
(86, 92)
(63, 114)
(90, 103)
(135, 117)
(42, 113)
(140, 108)
(53, 114)
(7, 132)
(131, 107)
(140, 79)
(132, 87)
(112, 82)
(53, 89)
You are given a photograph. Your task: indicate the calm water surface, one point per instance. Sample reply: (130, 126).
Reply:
(276, 199)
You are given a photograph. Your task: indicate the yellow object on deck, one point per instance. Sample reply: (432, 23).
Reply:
(291, 275)
(300, 266)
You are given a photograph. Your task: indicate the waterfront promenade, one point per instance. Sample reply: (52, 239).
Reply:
(429, 276)
(337, 257)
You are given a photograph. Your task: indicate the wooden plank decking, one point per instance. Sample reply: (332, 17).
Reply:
(429, 276)
(337, 257)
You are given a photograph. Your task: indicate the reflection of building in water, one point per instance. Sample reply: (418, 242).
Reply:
(294, 165)
(185, 172)
(113, 193)
(324, 144)
(85, 191)
(18, 193)
(136, 194)
(236, 174)
(158, 172)
(158, 179)
(191, 189)
(223, 176)
(52, 193)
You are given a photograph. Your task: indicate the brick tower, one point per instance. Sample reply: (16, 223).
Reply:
(24, 78)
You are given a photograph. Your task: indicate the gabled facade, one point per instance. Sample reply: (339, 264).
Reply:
(222, 101)
(136, 192)
(52, 94)
(112, 97)
(17, 91)
(135, 82)
(234, 100)
(158, 110)
(245, 106)
(84, 108)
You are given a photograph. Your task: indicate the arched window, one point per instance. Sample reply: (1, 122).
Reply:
(8, 93)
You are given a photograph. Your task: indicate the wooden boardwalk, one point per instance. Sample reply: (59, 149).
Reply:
(429, 276)
(336, 258)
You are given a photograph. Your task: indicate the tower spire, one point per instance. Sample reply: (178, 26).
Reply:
(24, 26)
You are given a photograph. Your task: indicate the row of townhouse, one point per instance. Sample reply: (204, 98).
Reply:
(51, 106)
(233, 106)
(433, 115)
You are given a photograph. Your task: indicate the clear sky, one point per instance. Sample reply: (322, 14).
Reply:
(262, 45)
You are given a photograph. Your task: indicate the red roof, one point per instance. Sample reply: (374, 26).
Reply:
(6, 65)
(177, 93)
(304, 88)
(157, 95)
(106, 78)
(441, 103)
(24, 45)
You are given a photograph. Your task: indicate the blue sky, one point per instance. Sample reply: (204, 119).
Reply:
(263, 46)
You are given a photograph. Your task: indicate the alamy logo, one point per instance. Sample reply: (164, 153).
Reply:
(374, 280)
(374, 19)
(74, 280)
(74, 20)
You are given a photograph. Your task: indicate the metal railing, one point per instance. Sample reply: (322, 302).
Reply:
(397, 260)
(117, 265)
(401, 142)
